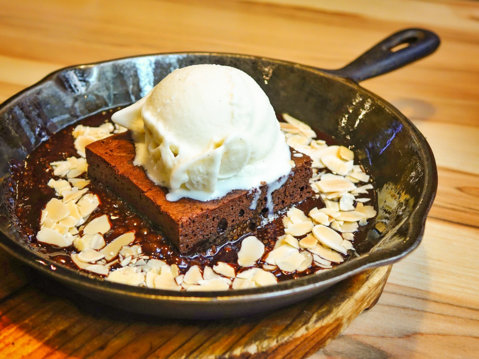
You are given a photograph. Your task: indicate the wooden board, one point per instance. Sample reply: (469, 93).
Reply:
(45, 318)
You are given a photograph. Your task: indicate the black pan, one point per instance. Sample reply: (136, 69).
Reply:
(387, 143)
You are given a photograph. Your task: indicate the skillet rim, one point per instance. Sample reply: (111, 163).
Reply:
(414, 224)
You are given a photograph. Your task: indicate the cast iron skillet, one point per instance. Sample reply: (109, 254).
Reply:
(393, 150)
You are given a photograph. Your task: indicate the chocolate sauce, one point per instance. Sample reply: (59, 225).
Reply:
(32, 194)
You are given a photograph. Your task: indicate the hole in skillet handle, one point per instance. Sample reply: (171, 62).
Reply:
(395, 51)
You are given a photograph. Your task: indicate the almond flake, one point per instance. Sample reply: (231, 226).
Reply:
(50, 236)
(163, 280)
(286, 258)
(348, 245)
(351, 216)
(307, 261)
(257, 277)
(98, 225)
(296, 141)
(113, 248)
(79, 183)
(224, 269)
(334, 183)
(299, 229)
(98, 269)
(74, 194)
(133, 251)
(347, 227)
(210, 285)
(269, 267)
(345, 153)
(90, 255)
(321, 262)
(89, 241)
(251, 250)
(308, 242)
(366, 211)
(327, 254)
(87, 204)
(193, 276)
(337, 165)
(127, 275)
(319, 217)
(208, 274)
(363, 189)
(155, 265)
(60, 186)
(346, 203)
(300, 126)
(288, 240)
(348, 236)
(56, 210)
(329, 238)
(240, 283)
(296, 215)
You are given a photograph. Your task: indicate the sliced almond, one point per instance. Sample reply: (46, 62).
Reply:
(155, 265)
(241, 283)
(224, 269)
(210, 285)
(327, 254)
(337, 165)
(321, 262)
(296, 215)
(334, 183)
(300, 126)
(87, 204)
(299, 229)
(348, 245)
(348, 236)
(50, 236)
(193, 275)
(319, 217)
(346, 203)
(60, 186)
(362, 189)
(307, 261)
(130, 251)
(251, 250)
(345, 153)
(127, 275)
(308, 242)
(288, 240)
(329, 238)
(98, 225)
(366, 211)
(56, 210)
(113, 248)
(90, 255)
(74, 194)
(79, 183)
(98, 269)
(89, 241)
(163, 280)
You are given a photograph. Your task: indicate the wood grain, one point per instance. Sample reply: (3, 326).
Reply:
(46, 320)
(430, 305)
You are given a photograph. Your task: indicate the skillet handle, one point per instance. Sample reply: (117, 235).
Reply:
(382, 58)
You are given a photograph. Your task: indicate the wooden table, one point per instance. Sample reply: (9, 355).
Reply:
(430, 305)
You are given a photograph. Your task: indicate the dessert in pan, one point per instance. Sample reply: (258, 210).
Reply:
(195, 187)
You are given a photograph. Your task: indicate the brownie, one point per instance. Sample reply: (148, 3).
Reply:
(190, 224)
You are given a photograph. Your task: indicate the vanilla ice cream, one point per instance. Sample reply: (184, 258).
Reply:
(206, 130)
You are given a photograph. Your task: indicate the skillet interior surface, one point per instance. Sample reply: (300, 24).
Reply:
(389, 146)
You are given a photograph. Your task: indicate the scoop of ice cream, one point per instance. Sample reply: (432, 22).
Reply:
(205, 130)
